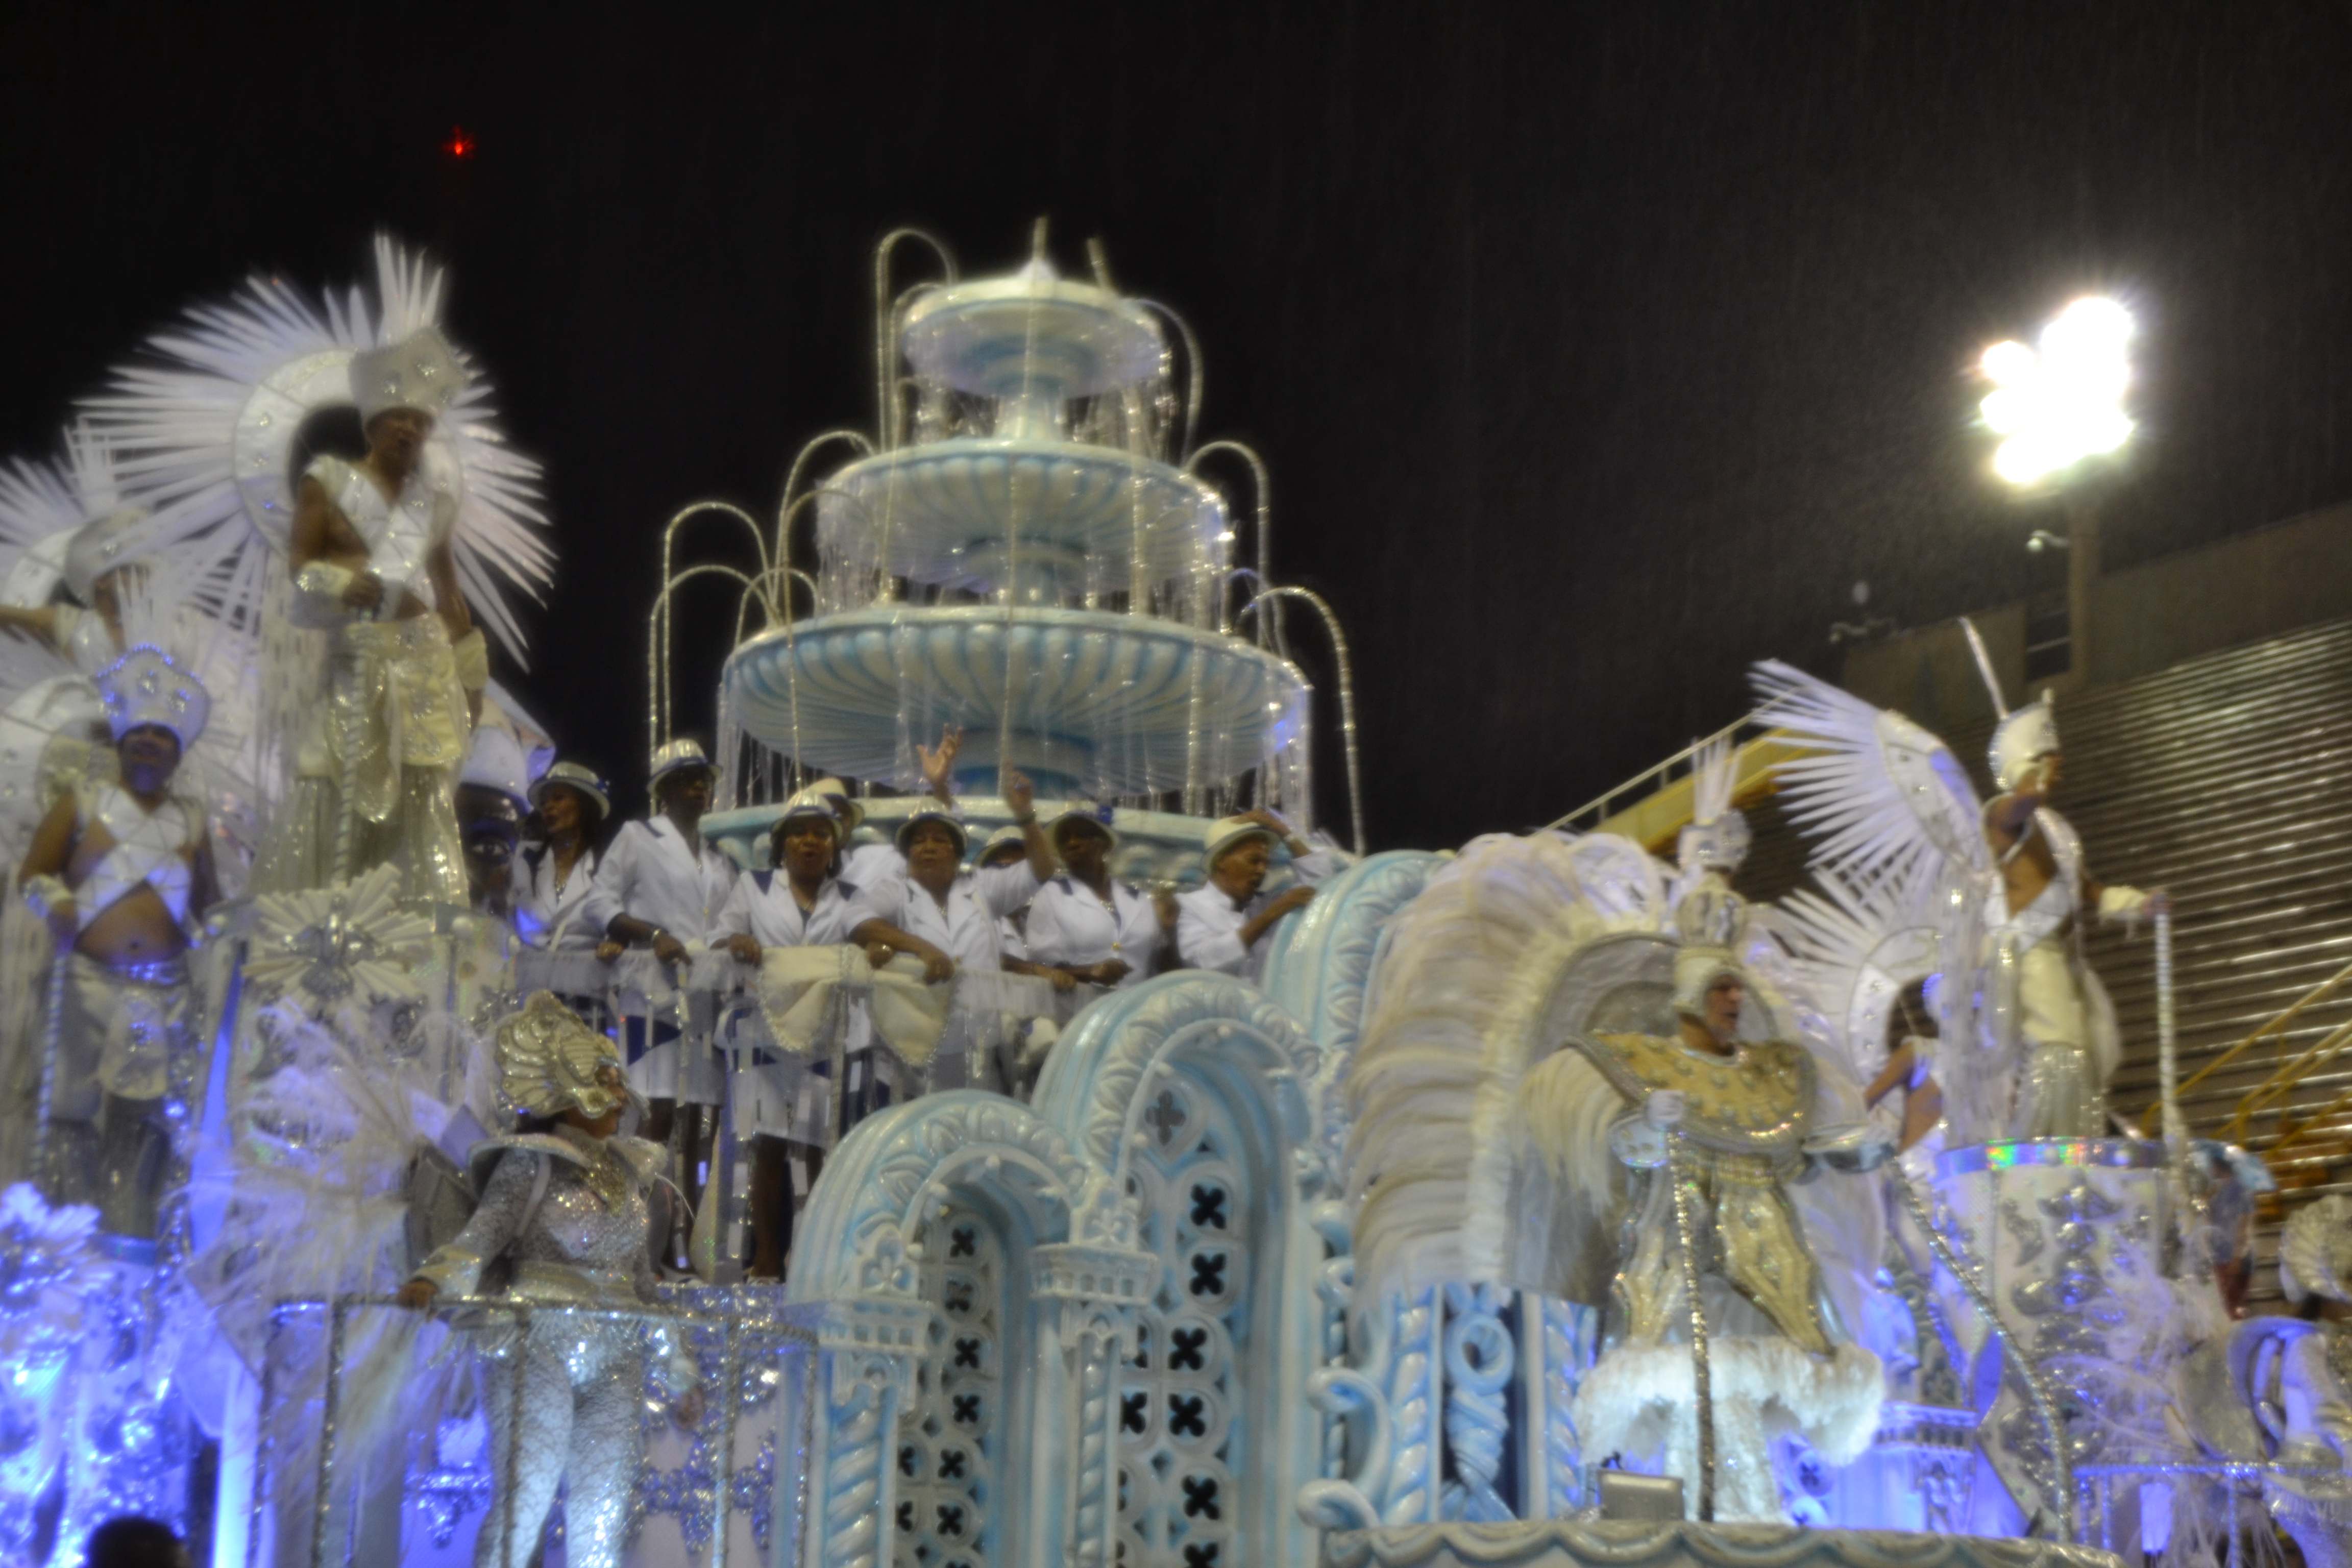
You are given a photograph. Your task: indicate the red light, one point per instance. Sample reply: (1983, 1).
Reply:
(460, 144)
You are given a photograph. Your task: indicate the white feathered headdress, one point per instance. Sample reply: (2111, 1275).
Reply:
(69, 521)
(207, 427)
(1718, 838)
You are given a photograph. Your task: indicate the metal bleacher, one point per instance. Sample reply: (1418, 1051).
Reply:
(2224, 779)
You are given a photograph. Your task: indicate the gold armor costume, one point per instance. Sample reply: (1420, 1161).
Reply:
(1745, 1121)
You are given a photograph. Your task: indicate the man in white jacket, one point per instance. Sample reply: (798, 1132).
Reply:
(661, 886)
(1222, 925)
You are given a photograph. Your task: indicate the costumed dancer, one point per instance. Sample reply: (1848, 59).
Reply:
(566, 1214)
(1222, 925)
(798, 903)
(2043, 989)
(947, 916)
(1732, 1122)
(371, 561)
(660, 887)
(123, 871)
(1557, 1035)
(2025, 1050)
(366, 575)
(76, 555)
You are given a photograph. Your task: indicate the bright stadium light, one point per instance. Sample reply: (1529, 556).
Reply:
(2063, 402)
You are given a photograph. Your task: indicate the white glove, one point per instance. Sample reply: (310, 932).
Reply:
(1663, 1109)
(2119, 903)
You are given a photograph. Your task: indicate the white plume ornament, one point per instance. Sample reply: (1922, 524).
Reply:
(1859, 947)
(205, 427)
(1895, 824)
(42, 505)
(1718, 838)
(2315, 1251)
(328, 948)
(1882, 795)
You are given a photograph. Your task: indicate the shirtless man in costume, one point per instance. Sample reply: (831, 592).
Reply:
(123, 871)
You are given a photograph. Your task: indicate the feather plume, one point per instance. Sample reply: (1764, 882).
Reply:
(206, 422)
(1880, 797)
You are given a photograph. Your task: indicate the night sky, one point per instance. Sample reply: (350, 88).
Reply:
(1595, 352)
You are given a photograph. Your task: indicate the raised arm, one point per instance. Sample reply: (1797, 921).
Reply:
(1022, 796)
(40, 625)
(940, 761)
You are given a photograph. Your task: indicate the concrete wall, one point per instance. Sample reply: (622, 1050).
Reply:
(1930, 677)
(2157, 614)
(2146, 618)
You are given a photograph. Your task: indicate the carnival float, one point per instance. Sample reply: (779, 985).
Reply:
(1538, 1200)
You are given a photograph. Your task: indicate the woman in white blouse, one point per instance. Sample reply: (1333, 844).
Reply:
(553, 876)
(1083, 921)
(799, 903)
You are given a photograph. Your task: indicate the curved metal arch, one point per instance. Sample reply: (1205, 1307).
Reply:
(854, 1239)
(1094, 1087)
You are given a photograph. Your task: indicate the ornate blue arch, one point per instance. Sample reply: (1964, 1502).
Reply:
(1319, 967)
(1093, 1087)
(1320, 970)
(852, 1241)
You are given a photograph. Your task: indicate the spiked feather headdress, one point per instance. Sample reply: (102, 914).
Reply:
(208, 425)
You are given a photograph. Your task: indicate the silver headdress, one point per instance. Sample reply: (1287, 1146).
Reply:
(672, 755)
(1718, 838)
(66, 521)
(1712, 923)
(145, 686)
(549, 1062)
(2021, 739)
(418, 372)
(2023, 736)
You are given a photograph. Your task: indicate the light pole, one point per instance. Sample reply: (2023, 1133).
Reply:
(2057, 407)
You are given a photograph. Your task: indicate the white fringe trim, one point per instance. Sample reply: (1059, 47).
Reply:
(1641, 1400)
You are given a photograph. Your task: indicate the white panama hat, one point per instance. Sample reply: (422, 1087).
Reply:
(574, 776)
(1228, 831)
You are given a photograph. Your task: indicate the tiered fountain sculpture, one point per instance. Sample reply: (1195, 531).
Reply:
(1022, 556)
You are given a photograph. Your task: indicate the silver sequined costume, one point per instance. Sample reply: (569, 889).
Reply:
(583, 1239)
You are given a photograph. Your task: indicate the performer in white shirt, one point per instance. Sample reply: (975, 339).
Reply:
(947, 916)
(554, 877)
(1008, 846)
(799, 903)
(1222, 924)
(1084, 922)
(870, 864)
(661, 885)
